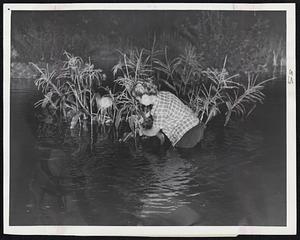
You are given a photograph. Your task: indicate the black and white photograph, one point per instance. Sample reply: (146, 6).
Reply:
(120, 117)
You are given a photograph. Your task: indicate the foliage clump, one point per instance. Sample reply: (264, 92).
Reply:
(72, 91)
(69, 91)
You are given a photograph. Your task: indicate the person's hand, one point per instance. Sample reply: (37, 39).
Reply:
(140, 119)
(140, 131)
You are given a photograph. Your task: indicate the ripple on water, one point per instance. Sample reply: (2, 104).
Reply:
(120, 184)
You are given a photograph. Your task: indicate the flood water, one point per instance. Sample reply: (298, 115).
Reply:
(236, 176)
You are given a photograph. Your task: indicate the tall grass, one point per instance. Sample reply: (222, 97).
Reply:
(208, 92)
(180, 72)
(134, 66)
(69, 90)
(244, 99)
(207, 99)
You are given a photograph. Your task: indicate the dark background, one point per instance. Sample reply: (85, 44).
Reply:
(247, 38)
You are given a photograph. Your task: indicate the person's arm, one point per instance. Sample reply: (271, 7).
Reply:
(150, 132)
(158, 122)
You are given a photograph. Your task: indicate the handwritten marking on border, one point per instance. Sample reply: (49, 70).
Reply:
(291, 77)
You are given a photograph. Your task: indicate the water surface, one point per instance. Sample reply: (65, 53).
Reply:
(236, 176)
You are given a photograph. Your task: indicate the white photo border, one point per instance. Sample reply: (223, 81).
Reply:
(178, 231)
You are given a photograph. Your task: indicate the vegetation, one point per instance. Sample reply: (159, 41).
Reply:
(247, 46)
(211, 91)
(70, 92)
(133, 67)
(212, 62)
(252, 41)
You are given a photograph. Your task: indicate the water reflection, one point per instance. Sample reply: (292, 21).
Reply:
(166, 200)
(80, 184)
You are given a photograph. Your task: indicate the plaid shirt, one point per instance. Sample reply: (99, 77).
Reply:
(172, 116)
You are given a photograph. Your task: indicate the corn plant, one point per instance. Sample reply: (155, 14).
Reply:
(188, 67)
(220, 91)
(244, 99)
(132, 68)
(181, 72)
(166, 68)
(129, 109)
(70, 89)
(53, 90)
(207, 98)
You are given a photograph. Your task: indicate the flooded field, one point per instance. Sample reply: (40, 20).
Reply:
(236, 176)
